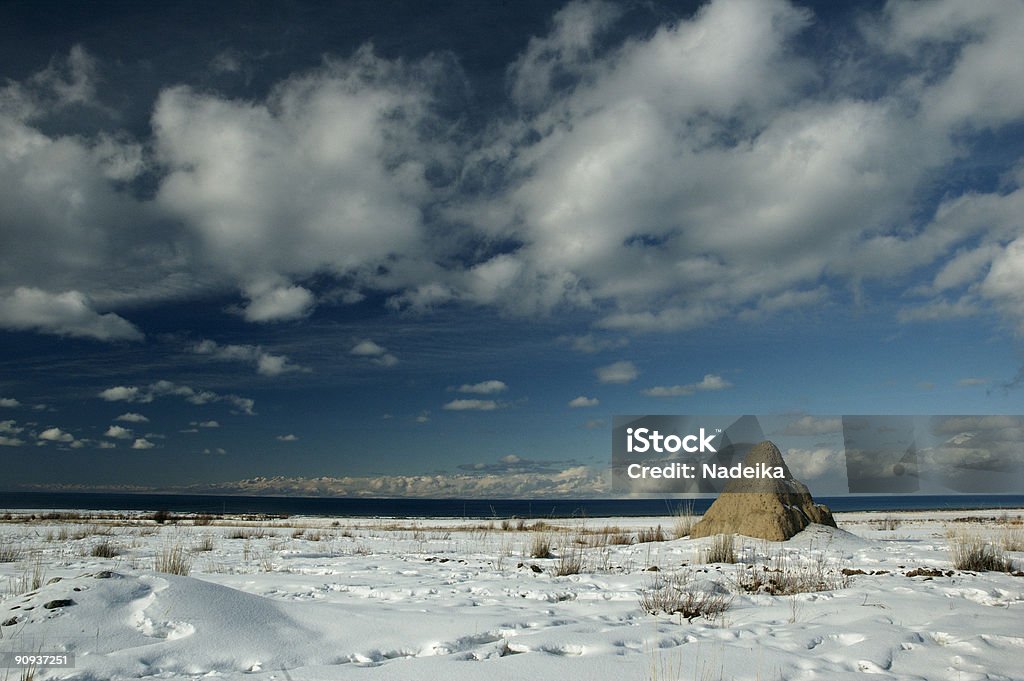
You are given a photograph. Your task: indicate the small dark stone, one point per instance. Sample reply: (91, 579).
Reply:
(654, 568)
(55, 580)
(58, 603)
(105, 574)
(536, 568)
(849, 572)
(10, 622)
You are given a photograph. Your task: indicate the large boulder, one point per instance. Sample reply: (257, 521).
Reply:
(767, 508)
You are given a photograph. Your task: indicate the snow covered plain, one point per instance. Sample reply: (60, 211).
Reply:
(315, 598)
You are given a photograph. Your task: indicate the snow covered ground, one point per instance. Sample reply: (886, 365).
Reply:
(315, 598)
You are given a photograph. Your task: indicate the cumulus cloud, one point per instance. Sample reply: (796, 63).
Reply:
(9, 430)
(142, 443)
(584, 401)
(266, 363)
(377, 354)
(9, 402)
(709, 382)
(145, 395)
(132, 417)
(710, 168)
(119, 433)
(346, 134)
(55, 434)
(276, 303)
(471, 405)
(617, 372)
(483, 388)
(290, 437)
(808, 464)
(65, 314)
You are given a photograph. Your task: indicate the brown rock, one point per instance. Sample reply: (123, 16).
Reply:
(765, 508)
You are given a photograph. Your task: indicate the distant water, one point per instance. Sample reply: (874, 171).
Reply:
(457, 508)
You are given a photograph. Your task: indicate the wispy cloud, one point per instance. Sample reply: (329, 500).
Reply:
(617, 372)
(710, 382)
(266, 363)
(147, 394)
(471, 405)
(490, 387)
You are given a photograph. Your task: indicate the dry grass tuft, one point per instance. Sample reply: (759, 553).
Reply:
(673, 594)
(1013, 540)
(683, 521)
(721, 550)
(540, 545)
(9, 553)
(174, 560)
(971, 552)
(205, 544)
(570, 560)
(104, 549)
(645, 535)
(785, 575)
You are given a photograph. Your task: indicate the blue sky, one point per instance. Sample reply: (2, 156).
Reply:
(379, 249)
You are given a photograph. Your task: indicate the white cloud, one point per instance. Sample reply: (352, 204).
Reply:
(813, 425)
(121, 393)
(9, 402)
(504, 482)
(471, 405)
(267, 364)
(807, 464)
(333, 153)
(290, 437)
(8, 434)
(119, 433)
(142, 443)
(591, 344)
(270, 302)
(145, 395)
(709, 382)
(132, 417)
(617, 372)
(377, 354)
(584, 401)
(55, 435)
(208, 424)
(64, 314)
(367, 348)
(711, 168)
(483, 388)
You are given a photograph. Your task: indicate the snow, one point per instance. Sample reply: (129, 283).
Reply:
(454, 599)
